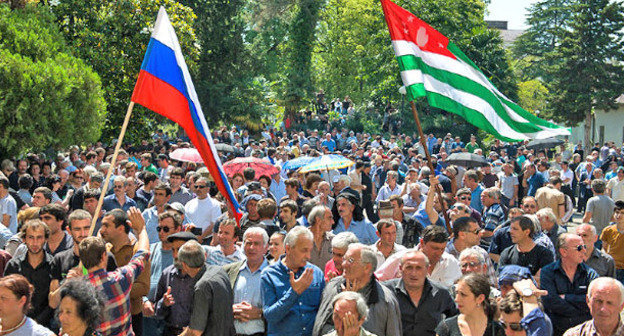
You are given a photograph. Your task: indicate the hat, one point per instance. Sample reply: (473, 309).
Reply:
(253, 186)
(71, 169)
(336, 178)
(183, 235)
(255, 197)
(175, 206)
(511, 273)
(412, 169)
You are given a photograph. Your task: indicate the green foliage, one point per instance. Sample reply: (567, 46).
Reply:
(48, 98)
(533, 95)
(111, 36)
(548, 21)
(591, 71)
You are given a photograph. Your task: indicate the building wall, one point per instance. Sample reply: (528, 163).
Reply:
(609, 126)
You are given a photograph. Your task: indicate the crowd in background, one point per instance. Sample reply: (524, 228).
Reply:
(527, 243)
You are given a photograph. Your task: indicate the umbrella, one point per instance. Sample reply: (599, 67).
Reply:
(327, 162)
(298, 162)
(468, 160)
(540, 144)
(186, 155)
(221, 147)
(262, 167)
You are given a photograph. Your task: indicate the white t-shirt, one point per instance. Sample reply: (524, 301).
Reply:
(8, 206)
(202, 212)
(617, 189)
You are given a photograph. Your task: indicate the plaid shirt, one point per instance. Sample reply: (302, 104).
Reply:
(115, 287)
(589, 329)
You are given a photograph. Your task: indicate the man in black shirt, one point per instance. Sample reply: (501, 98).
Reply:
(525, 252)
(423, 303)
(35, 265)
(66, 262)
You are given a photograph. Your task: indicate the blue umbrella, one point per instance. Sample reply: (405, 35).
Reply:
(327, 162)
(298, 162)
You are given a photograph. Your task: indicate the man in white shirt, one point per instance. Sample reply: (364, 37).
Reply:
(202, 211)
(386, 245)
(615, 187)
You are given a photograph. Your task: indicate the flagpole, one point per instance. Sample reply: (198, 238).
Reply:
(430, 164)
(112, 166)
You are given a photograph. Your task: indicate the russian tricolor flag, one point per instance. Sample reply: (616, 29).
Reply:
(165, 86)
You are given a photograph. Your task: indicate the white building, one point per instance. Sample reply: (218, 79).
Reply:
(607, 126)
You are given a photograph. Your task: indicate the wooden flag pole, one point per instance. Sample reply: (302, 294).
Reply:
(423, 143)
(112, 166)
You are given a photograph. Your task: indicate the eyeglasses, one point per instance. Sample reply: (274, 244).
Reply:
(581, 247)
(201, 186)
(471, 264)
(166, 229)
(475, 231)
(463, 198)
(118, 186)
(515, 326)
(530, 206)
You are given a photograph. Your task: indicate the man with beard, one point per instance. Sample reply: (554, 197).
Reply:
(35, 265)
(66, 263)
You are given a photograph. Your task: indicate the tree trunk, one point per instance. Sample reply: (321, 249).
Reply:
(587, 128)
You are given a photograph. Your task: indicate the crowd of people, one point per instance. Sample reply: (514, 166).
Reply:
(395, 244)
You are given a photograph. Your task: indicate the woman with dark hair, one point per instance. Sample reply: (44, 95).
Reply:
(54, 183)
(35, 171)
(15, 297)
(476, 313)
(80, 309)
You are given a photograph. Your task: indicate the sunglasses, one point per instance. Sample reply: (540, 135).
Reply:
(580, 247)
(166, 229)
(201, 186)
(463, 198)
(515, 326)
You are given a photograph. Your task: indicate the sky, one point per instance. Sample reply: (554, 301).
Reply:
(512, 11)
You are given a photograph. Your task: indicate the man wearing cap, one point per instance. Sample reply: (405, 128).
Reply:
(161, 257)
(202, 211)
(162, 195)
(351, 218)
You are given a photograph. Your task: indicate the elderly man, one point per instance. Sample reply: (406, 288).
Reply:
(493, 213)
(386, 245)
(245, 278)
(390, 188)
(422, 303)
(339, 244)
(210, 315)
(600, 207)
(321, 221)
(350, 312)
(352, 219)
(292, 287)
(595, 258)
(566, 281)
(359, 264)
(605, 301)
(548, 222)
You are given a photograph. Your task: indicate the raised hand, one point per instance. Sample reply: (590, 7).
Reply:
(304, 281)
(168, 298)
(136, 219)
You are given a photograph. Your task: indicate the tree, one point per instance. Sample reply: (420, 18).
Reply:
(111, 36)
(48, 98)
(533, 95)
(301, 38)
(548, 21)
(591, 71)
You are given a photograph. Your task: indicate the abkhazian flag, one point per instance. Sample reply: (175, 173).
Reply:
(433, 67)
(165, 87)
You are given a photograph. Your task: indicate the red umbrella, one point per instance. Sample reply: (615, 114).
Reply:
(186, 155)
(262, 167)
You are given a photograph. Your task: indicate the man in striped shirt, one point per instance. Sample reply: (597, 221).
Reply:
(115, 286)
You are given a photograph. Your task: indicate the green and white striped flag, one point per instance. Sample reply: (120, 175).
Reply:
(435, 68)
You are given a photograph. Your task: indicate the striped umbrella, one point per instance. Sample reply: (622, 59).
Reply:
(298, 162)
(327, 162)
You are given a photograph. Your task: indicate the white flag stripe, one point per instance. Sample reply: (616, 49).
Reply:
(456, 66)
(410, 77)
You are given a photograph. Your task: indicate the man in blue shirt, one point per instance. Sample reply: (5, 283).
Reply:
(162, 195)
(471, 181)
(119, 199)
(292, 287)
(329, 143)
(352, 219)
(567, 281)
(161, 257)
(532, 180)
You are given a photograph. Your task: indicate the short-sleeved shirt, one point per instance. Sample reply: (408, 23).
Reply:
(534, 260)
(549, 197)
(202, 212)
(363, 230)
(31, 328)
(8, 206)
(507, 184)
(601, 207)
(613, 243)
(617, 189)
